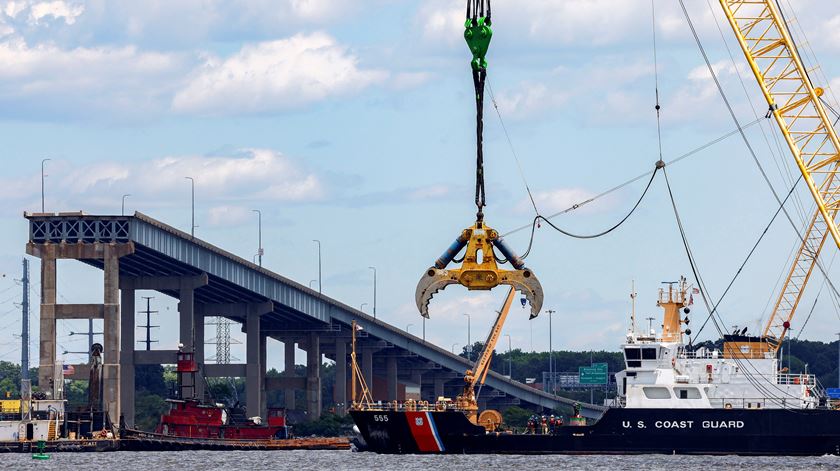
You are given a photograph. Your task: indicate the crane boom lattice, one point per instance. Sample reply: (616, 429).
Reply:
(795, 104)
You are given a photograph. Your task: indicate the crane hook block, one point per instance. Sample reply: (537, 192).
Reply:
(479, 269)
(478, 35)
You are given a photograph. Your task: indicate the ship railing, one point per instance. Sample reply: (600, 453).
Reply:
(406, 406)
(717, 354)
(796, 379)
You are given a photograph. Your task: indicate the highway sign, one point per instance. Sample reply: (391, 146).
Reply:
(595, 374)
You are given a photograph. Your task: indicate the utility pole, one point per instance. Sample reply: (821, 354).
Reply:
(319, 264)
(633, 307)
(89, 334)
(25, 382)
(148, 312)
(551, 354)
(192, 200)
(122, 210)
(374, 291)
(510, 361)
(469, 338)
(42, 183)
(259, 232)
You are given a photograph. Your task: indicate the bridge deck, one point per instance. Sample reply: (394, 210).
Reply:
(162, 250)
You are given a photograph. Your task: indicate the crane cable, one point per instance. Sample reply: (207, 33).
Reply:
(711, 69)
(745, 366)
(478, 34)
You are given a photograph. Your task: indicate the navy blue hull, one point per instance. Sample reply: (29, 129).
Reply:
(619, 431)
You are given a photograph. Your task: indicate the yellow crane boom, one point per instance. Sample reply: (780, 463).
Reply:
(467, 400)
(796, 107)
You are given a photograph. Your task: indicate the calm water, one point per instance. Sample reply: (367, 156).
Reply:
(346, 460)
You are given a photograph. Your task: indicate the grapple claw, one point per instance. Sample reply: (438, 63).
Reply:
(432, 281)
(526, 283)
(479, 270)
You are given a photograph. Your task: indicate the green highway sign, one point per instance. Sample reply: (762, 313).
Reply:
(595, 374)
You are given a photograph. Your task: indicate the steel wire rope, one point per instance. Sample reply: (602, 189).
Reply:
(636, 178)
(802, 212)
(745, 139)
(589, 236)
(512, 149)
(749, 255)
(703, 292)
(784, 170)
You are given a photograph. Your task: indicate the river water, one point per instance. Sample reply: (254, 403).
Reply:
(346, 460)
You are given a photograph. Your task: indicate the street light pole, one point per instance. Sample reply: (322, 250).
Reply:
(259, 234)
(469, 338)
(424, 330)
(362, 307)
(407, 326)
(374, 291)
(319, 263)
(310, 283)
(122, 208)
(42, 183)
(453, 347)
(192, 201)
(551, 353)
(510, 364)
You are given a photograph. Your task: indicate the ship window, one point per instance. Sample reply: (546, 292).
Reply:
(648, 354)
(632, 353)
(688, 393)
(634, 363)
(653, 392)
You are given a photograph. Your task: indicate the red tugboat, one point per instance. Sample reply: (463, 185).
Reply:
(195, 425)
(189, 417)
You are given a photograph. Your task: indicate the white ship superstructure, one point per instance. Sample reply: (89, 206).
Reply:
(663, 372)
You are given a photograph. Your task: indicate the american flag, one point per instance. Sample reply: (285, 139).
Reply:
(68, 370)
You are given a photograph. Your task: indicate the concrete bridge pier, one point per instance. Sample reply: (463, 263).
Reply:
(289, 371)
(313, 377)
(109, 254)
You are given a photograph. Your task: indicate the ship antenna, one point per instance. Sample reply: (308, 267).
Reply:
(633, 306)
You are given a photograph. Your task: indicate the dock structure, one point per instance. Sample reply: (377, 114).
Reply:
(138, 252)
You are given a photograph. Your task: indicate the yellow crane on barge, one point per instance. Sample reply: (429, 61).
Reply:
(796, 106)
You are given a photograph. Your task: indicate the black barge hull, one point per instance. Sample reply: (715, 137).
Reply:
(618, 431)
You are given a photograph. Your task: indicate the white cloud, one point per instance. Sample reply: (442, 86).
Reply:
(530, 99)
(227, 215)
(275, 75)
(220, 181)
(571, 21)
(56, 9)
(553, 201)
(48, 80)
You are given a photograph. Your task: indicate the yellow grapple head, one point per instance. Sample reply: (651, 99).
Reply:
(479, 269)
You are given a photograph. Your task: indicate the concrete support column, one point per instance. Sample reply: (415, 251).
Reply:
(263, 363)
(340, 389)
(391, 367)
(127, 315)
(313, 377)
(46, 363)
(367, 369)
(186, 314)
(439, 388)
(289, 371)
(253, 379)
(111, 333)
(198, 348)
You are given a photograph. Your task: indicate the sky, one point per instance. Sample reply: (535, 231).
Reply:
(353, 123)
